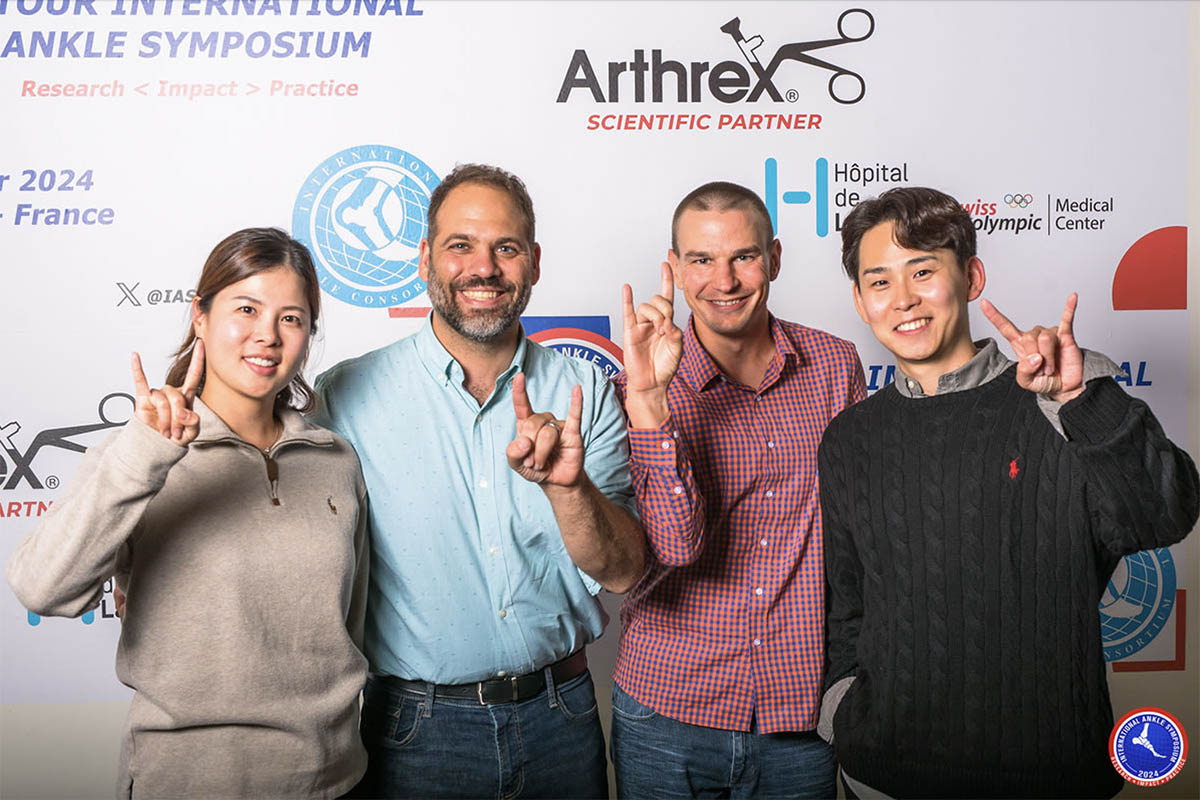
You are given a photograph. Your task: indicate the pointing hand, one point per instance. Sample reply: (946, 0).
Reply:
(653, 349)
(547, 450)
(169, 410)
(1049, 361)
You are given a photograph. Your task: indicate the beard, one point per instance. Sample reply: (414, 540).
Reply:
(478, 326)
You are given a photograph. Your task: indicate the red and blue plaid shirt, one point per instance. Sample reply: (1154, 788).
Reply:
(727, 629)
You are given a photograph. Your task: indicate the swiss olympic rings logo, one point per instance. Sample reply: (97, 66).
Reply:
(1018, 200)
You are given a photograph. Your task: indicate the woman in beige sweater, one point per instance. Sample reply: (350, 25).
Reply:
(237, 530)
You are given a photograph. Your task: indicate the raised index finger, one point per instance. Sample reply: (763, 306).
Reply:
(575, 412)
(1002, 323)
(668, 282)
(1067, 323)
(627, 312)
(140, 387)
(520, 399)
(195, 371)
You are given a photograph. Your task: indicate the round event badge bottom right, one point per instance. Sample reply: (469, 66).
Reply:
(1148, 747)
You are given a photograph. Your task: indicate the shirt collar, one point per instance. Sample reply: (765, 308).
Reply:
(699, 370)
(443, 367)
(987, 363)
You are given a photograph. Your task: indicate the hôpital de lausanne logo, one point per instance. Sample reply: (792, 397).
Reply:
(726, 81)
(363, 212)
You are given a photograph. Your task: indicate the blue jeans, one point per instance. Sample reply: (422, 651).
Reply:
(656, 756)
(548, 746)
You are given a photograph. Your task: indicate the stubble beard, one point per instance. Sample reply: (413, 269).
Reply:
(481, 327)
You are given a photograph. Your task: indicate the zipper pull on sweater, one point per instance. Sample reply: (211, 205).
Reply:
(273, 478)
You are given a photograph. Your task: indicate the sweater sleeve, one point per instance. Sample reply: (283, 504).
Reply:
(60, 568)
(843, 570)
(357, 615)
(1142, 491)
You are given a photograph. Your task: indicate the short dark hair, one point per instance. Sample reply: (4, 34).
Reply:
(924, 219)
(723, 196)
(489, 176)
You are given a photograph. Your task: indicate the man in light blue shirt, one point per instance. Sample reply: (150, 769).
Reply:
(493, 525)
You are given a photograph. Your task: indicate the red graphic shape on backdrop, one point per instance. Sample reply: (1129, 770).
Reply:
(1153, 272)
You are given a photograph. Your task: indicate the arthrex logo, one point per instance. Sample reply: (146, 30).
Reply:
(727, 81)
(22, 460)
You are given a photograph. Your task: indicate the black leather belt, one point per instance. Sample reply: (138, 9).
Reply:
(512, 689)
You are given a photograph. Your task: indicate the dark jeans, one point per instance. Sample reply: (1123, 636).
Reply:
(548, 746)
(656, 756)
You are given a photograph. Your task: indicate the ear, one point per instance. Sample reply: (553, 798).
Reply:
(199, 318)
(776, 250)
(858, 302)
(423, 262)
(673, 261)
(976, 278)
(536, 254)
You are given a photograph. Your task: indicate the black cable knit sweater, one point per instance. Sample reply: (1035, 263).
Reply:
(967, 545)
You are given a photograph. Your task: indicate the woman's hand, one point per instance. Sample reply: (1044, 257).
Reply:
(169, 410)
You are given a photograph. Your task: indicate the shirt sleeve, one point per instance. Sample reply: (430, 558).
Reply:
(1142, 490)
(1095, 365)
(670, 503)
(60, 568)
(322, 413)
(858, 381)
(606, 457)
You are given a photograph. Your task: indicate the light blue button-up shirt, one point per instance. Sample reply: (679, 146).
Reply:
(469, 575)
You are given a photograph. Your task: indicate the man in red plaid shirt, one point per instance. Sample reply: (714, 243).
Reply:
(718, 680)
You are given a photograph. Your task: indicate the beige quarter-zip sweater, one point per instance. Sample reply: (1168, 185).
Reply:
(246, 576)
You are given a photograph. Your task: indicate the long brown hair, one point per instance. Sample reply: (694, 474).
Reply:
(242, 255)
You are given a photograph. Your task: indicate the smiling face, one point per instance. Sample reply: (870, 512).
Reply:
(256, 333)
(916, 302)
(724, 265)
(479, 268)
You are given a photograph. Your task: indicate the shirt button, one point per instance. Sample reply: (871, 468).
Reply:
(678, 490)
(666, 444)
(911, 385)
(770, 444)
(675, 435)
(503, 613)
(492, 551)
(758, 591)
(483, 483)
(501, 674)
(763, 542)
(770, 493)
(757, 642)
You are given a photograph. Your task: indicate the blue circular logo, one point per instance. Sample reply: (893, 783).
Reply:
(362, 212)
(1137, 602)
(1148, 746)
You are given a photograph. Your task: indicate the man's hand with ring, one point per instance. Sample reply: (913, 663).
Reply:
(546, 450)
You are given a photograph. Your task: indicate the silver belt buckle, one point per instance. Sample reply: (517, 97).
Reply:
(479, 692)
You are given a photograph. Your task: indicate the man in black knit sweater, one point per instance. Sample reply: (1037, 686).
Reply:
(974, 511)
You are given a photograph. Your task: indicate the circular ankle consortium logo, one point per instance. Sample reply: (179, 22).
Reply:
(363, 212)
(1148, 746)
